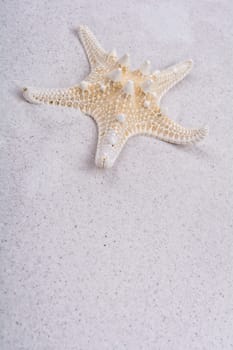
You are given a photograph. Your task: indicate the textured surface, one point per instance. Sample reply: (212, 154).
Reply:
(139, 256)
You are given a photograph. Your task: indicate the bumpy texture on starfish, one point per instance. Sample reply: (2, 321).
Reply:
(122, 102)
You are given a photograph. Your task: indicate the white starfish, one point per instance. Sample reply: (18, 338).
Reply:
(122, 102)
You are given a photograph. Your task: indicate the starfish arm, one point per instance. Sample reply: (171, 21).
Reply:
(167, 130)
(169, 77)
(95, 53)
(111, 139)
(69, 97)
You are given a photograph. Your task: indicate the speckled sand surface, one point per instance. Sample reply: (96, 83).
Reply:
(139, 256)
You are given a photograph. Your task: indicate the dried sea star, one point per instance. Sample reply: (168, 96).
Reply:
(122, 102)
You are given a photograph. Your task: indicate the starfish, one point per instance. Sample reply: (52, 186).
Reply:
(121, 101)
